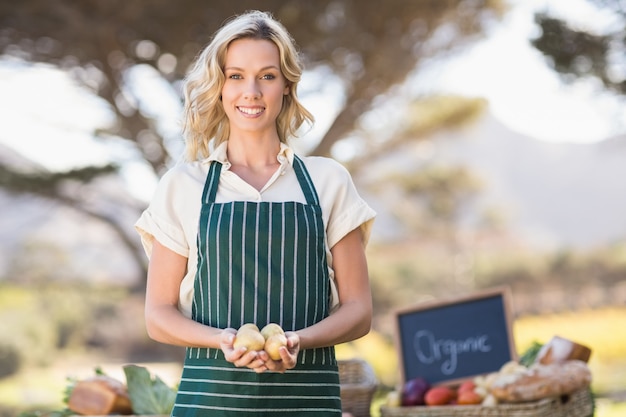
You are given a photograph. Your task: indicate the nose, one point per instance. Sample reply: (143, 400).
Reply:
(252, 90)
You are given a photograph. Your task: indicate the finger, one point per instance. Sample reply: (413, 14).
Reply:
(289, 359)
(275, 366)
(285, 354)
(246, 359)
(235, 355)
(227, 339)
(258, 365)
(260, 369)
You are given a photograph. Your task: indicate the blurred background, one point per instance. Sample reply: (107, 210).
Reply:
(489, 135)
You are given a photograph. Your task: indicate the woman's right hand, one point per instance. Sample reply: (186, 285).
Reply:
(240, 357)
(288, 354)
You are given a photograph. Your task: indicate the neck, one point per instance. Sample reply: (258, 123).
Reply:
(254, 153)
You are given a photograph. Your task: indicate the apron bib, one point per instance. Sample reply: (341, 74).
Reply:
(260, 262)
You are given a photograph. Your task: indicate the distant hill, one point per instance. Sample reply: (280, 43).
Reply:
(554, 194)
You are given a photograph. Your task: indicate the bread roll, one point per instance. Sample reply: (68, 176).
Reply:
(542, 381)
(100, 395)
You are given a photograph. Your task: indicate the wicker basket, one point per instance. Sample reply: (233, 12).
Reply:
(358, 384)
(578, 404)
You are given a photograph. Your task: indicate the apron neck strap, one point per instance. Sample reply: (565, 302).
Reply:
(211, 183)
(305, 182)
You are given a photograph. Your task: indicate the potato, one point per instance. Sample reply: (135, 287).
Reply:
(271, 329)
(250, 337)
(273, 344)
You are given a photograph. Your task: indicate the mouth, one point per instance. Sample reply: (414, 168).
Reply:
(251, 111)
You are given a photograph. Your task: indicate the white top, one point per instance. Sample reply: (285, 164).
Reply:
(173, 214)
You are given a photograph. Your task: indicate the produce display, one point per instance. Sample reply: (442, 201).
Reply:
(141, 395)
(102, 395)
(552, 370)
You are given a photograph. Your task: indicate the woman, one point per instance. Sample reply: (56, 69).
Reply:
(244, 231)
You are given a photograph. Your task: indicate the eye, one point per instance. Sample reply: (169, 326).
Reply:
(268, 77)
(235, 77)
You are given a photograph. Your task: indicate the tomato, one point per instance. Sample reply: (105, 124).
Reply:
(439, 396)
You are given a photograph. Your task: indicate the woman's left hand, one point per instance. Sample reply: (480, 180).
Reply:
(288, 355)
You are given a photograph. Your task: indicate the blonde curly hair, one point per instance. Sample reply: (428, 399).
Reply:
(205, 124)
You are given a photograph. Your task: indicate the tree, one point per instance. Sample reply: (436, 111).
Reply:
(370, 46)
(577, 53)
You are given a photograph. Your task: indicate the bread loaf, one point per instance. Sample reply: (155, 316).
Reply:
(559, 349)
(100, 395)
(542, 381)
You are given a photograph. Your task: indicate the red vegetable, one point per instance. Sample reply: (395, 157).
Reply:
(468, 385)
(469, 397)
(439, 396)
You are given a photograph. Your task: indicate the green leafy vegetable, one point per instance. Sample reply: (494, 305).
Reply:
(69, 387)
(148, 395)
(529, 356)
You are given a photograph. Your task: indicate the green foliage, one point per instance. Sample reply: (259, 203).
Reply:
(566, 267)
(147, 395)
(69, 388)
(407, 273)
(21, 318)
(574, 52)
(437, 191)
(46, 183)
(10, 360)
(528, 357)
(70, 312)
(431, 113)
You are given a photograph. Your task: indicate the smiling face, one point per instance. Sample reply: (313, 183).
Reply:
(254, 87)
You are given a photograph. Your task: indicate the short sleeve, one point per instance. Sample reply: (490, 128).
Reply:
(342, 206)
(163, 219)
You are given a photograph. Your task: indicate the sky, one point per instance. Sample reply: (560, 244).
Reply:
(49, 119)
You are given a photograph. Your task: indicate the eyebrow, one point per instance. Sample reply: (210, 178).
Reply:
(269, 67)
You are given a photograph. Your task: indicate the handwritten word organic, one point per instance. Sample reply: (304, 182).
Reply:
(430, 350)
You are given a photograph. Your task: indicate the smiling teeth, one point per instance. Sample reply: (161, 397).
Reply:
(250, 111)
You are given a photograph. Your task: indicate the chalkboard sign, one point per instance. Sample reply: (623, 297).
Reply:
(448, 341)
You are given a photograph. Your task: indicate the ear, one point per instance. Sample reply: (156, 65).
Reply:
(286, 89)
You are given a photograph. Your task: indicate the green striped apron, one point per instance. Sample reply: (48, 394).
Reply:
(260, 263)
